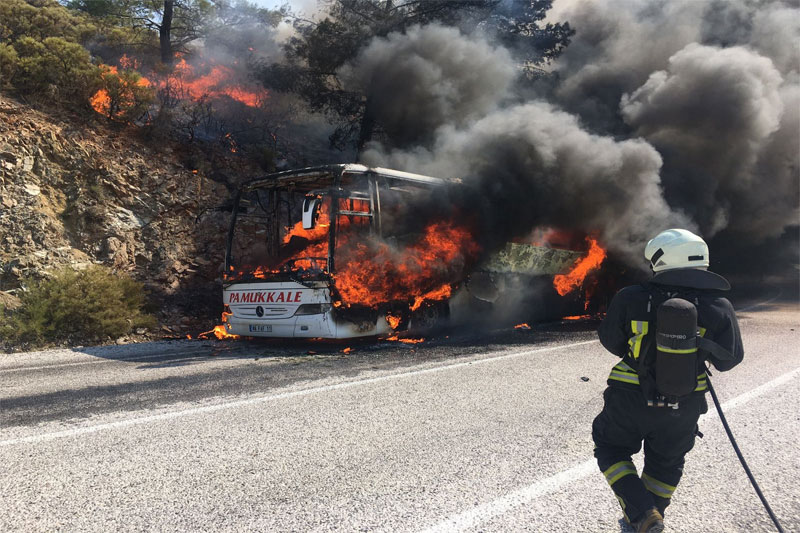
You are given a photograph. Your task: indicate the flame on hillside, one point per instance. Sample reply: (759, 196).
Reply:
(185, 81)
(208, 80)
(102, 101)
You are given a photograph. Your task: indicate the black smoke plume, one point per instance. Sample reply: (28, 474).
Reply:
(715, 88)
(662, 114)
(525, 164)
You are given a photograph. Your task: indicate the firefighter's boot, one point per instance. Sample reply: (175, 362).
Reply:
(650, 522)
(661, 505)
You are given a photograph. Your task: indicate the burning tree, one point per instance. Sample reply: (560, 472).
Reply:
(125, 94)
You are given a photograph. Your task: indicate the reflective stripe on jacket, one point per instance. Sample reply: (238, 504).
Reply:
(623, 373)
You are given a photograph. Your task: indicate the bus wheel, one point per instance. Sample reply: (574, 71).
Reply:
(429, 316)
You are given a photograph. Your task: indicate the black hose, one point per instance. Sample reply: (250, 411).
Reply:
(741, 457)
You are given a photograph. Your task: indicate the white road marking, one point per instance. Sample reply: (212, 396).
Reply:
(261, 399)
(745, 397)
(484, 512)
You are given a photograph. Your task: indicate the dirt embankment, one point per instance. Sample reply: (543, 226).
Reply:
(77, 192)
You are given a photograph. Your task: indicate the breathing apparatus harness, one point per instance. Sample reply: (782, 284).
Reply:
(670, 375)
(668, 370)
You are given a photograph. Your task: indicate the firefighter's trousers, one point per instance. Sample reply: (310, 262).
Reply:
(668, 434)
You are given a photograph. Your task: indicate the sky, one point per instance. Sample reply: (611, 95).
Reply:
(297, 5)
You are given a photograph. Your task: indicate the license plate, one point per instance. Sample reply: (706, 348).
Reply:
(260, 328)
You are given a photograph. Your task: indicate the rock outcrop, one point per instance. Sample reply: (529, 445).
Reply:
(73, 193)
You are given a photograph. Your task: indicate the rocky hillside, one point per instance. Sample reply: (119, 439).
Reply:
(78, 193)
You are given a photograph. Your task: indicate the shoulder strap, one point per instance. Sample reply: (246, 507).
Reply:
(714, 349)
(690, 295)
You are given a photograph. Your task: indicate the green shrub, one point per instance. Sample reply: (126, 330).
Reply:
(40, 20)
(8, 64)
(56, 63)
(92, 305)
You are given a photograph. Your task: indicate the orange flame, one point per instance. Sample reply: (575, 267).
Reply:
(393, 321)
(219, 331)
(374, 273)
(317, 233)
(217, 82)
(129, 62)
(566, 283)
(395, 338)
(524, 325)
(214, 84)
(441, 293)
(101, 100)
(370, 271)
(576, 317)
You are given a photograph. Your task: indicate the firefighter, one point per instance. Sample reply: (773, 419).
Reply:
(634, 410)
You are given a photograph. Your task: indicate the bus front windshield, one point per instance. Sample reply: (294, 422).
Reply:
(270, 242)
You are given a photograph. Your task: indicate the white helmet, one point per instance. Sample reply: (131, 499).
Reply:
(676, 248)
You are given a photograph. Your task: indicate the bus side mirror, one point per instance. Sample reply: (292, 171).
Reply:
(310, 211)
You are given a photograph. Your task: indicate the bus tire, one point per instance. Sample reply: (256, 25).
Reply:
(429, 316)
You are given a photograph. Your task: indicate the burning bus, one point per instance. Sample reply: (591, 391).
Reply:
(338, 252)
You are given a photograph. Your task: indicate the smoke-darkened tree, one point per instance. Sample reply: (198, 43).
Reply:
(518, 26)
(175, 24)
(316, 54)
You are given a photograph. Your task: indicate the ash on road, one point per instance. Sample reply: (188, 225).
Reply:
(456, 434)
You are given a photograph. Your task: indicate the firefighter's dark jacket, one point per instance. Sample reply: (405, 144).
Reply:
(624, 331)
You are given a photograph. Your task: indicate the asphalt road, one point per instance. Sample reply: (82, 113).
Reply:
(460, 433)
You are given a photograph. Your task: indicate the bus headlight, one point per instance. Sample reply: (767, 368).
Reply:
(312, 309)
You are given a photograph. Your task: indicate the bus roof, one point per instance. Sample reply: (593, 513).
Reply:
(311, 174)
